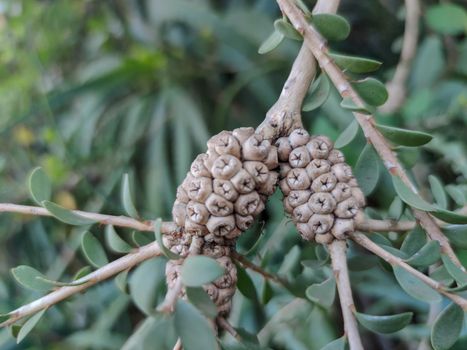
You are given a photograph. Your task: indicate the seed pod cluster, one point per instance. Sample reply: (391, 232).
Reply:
(225, 189)
(320, 191)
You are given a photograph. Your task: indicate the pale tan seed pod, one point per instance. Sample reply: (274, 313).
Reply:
(299, 157)
(305, 230)
(246, 204)
(211, 157)
(243, 182)
(318, 167)
(342, 172)
(229, 278)
(197, 212)
(324, 139)
(179, 213)
(221, 225)
(283, 149)
(336, 157)
(298, 179)
(284, 170)
(359, 196)
(194, 228)
(298, 197)
(318, 149)
(324, 183)
(244, 222)
(242, 134)
(181, 195)
(212, 238)
(324, 238)
(225, 166)
(259, 208)
(212, 291)
(321, 223)
(284, 186)
(272, 160)
(215, 250)
(342, 228)
(322, 203)
(287, 207)
(298, 137)
(197, 168)
(302, 213)
(269, 187)
(342, 191)
(225, 143)
(353, 182)
(255, 148)
(225, 189)
(218, 205)
(235, 233)
(258, 170)
(347, 209)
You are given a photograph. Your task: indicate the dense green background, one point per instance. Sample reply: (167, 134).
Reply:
(91, 90)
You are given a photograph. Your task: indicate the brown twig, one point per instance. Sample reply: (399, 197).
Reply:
(111, 269)
(337, 251)
(178, 345)
(249, 265)
(371, 225)
(120, 221)
(228, 327)
(365, 242)
(397, 86)
(318, 47)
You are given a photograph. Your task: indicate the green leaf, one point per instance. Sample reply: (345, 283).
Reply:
(121, 280)
(437, 189)
(28, 277)
(322, 293)
(193, 328)
(93, 250)
(442, 275)
(39, 186)
(267, 293)
(29, 325)
(115, 242)
(384, 324)
(362, 262)
(319, 93)
(414, 287)
(447, 18)
(450, 216)
(396, 209)
(65, 215)
(404, 137)
(372, 91)
(332, 27)
(245, 285)
(166, 251)
(127, 198)
(426, 256)
(286, 29)
(356, 64)
(367, 170)
(447, 327)
(347, 135)
(337, 344)
(456, 194)
(271, 42)
(198, 297)
(199, 270)
(249, 340)
(348, 103)
(82, 272)
(141, 238)
(414, 241)
(409, 197)
(457, 235)
(459, 275)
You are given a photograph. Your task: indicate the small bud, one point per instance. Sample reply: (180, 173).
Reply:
(318, 148)
(199, 189)
(298, 179)
(342, 228)
(225, 166)
(246, 204)
(318, 167)
(244, 222)
(336, 157)
(299, 157)
(225, 189)
(283, 148)
(225, 143)
(347, 209)
(321, 223)
(218, 205)
(322, 203)
(324, 239)
(342, 171)
(258, 170)
(324, 183)
(198, 169)
(197, 212)
(242, 134)
(243, 182)
(256, 148)
(299, 137)
(302, 213)
(341, 191)
(297, 198)
(221, 226)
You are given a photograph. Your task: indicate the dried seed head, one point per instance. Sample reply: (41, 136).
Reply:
(225, 189)
(221, 225)
(324, 239)
(342, 171)
(305, 231)
(317, 167)
(353, 182)
(284, 170)
(302, 213)
(256, 148)
(321, 223)
(322, 203)
(318, 148)
(259, 208)
(299, 137)
(284, 187)
(359, 196)
(336, 157)
(182, 196)
(298, 179)
(272, 161)
(324, 183)
(243, 182)
(179, 213)
(218, 205)
(324, 139)
(283, 149)
(199, 188)
(229, 278)
(212, 238)
(341, 191)
(244, 222)
(211, 157)
(297, 197)
(247, 204)
(347, 209)
(198, 169)
(225, 166)
(197, 212)
(299, 157)
(195, 229)
(258, 170)
(225, 143)
(342, 228)
(269, 187)
(235, 233)
(242, 134)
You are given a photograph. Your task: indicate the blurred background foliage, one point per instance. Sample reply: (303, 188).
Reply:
(91, 90)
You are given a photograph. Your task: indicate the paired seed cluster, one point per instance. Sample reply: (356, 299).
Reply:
(320, 191)
(225, 189)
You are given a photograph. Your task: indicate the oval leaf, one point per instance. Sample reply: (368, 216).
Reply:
(245, 285)
(199, 270)
(331, 26)
(28, 277)
(65, 215)
(121, 280)
(338, 344)
(82, 272)
(456, 194)
(115, 242)
(396, 209)
(372, 91)
(348, 103)
(447, 327)
(193, 328)
(356, 64)
(427, 255)
(367, 170)
(450, 216)
(39, 186)
(319, 93)
(286, 29)
(459, 275)
(93, 250)
(447, 18)
(29, 325)
(322, 293)
(127, 198)
(166, 251)
(271, 42)
(384, 324)
(437, 189)
(414, 287)
(198, 297)
(347, 135)
(404, 137)
(457, 235)
(414, 241)
(409, 197)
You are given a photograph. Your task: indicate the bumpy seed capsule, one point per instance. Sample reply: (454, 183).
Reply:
(221, 225)
(243, 182)
(318, 167)
(218, 205)
(283, 149)
(299, 137)
(297, 179)
(225, 189)
(322, 203)
(299, 157)
(197, 212)
(225, 166)
(255, 148)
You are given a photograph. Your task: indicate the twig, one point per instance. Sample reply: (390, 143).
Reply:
(228, 327)
(125, 262)
(365, 242)
(285, 114)
(318, 47)
(121, 221)
(337, 251)
(371, 225)
(178, 345)
(396, 87)
(248, 264)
